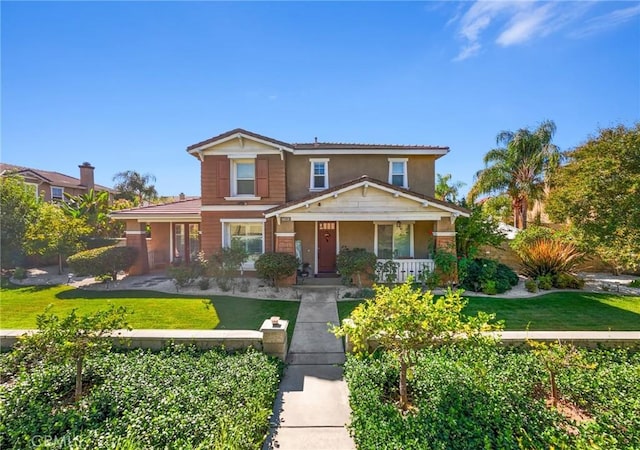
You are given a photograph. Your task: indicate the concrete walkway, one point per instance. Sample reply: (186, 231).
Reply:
(312, 406)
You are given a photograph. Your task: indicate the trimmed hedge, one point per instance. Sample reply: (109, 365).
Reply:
(103, 261)
(273, 267)
(178, 398)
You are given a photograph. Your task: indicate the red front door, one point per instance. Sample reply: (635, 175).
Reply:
(326, 247)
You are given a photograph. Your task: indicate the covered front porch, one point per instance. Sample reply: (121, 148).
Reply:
(393, 223)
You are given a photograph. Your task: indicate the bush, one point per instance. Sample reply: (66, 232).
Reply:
(634, 284)
(531, 285)
(355, 263)
(481, 274)
(183, 275)
(568, 281)
(387, 272)
(20, 273)
(549, 257)
(177, 398)
(545, 282)
(528, 236)
(226, 263)
(273, 267)
(204, 283)
(103, 261)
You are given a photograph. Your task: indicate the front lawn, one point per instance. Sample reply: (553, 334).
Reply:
(558, 311)
(19, 306)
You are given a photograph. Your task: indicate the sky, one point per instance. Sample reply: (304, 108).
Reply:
(129, 85)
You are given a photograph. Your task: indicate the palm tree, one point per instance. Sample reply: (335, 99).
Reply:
(445, 191)
(520, 168)
(135, 187)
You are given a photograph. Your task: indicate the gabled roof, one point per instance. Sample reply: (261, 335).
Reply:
(318, 147)
(188, 209)
(47, 176)
(367, 181)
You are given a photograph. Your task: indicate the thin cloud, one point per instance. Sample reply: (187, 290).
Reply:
(607, 21)
(519, 22)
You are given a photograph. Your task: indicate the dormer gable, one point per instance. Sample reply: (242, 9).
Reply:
(239, 143)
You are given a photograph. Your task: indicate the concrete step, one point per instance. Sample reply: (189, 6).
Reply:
(316, 358)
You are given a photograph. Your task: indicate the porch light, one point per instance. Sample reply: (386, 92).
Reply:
(399, 224)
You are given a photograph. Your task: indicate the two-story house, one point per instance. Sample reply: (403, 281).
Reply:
(306, 199)
(52, 186)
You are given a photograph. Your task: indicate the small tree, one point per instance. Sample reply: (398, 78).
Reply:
(226, 262)
(403, 319)
(273, 267)
(354, 263)
(53, 233)
(103, 261)
(69, 340)
(476, 231)
(556, 357)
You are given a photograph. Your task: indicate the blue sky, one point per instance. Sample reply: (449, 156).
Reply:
(129, 85)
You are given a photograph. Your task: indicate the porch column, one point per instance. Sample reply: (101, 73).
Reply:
(137, 237)
(445, 236)
(285, 243)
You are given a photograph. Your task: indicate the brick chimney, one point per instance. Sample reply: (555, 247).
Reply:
(86, 175)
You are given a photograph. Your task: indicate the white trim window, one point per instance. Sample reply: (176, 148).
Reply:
(319, 174)
(398, 172)
(249, 235)
(57, 193)
(394, 240)
(244, 177)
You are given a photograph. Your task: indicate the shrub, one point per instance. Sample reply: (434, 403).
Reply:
(545, 282)
(446, 264)
(355, 263)
(273, 267)
(103, 261)
(489, 287)
(204, 283)
(430, 279)
(225, 264)
(634, 284)
(531, 285)
(19, 273)
(479, 272)
(549, 257)
(387, 272)
(528, 236)
(183, 275)
(568, 281)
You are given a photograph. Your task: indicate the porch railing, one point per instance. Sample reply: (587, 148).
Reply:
(409, 267)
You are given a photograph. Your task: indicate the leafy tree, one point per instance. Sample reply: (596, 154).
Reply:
(135, 187)
(103, 261)
(520, 168)
(403, 319)
(53, 233)
(598, 193)
(70, 339)
(499, 208)
(93, 207)
(476, 231)
(18, 207)
(446, 190)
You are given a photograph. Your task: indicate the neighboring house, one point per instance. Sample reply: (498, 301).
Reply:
(52, 186)
(306, 199)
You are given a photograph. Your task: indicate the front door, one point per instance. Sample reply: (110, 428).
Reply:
(326, 247)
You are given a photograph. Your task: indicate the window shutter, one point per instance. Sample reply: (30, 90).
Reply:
(262, 177)
(223, 178)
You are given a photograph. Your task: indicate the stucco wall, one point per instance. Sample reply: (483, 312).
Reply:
(343, 168)
(357, 235)
(159, 245)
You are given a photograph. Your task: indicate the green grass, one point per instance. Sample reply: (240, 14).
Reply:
(19, 306)
(559, 311)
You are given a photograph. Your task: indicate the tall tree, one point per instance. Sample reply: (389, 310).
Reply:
(94, 208)
(18, 207)
(598, 193)
(520, 168)
(135, 187)
(447, 190)
(53, 233)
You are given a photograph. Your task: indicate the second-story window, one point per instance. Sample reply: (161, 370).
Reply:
(57, 194)
(398, 172)
(244, 172)
(319, 178)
